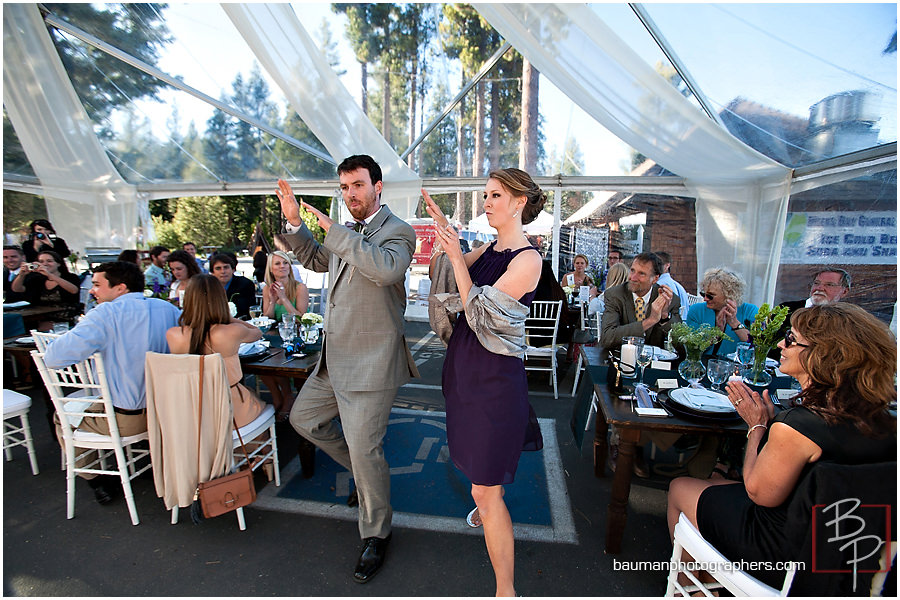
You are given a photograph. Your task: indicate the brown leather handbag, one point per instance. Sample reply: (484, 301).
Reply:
(229, 492)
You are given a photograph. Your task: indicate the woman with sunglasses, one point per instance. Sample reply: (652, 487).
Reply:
(723, 291)
(845, 360)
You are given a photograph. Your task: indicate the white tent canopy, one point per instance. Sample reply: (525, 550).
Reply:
(741, 195)
(542, 225)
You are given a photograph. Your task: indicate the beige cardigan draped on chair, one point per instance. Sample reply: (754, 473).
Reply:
(173, 387)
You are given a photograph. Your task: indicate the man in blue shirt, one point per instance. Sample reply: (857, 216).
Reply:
(666, 279)
(123, 328)
(156, 273)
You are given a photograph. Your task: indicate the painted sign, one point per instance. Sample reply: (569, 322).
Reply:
(862, 238)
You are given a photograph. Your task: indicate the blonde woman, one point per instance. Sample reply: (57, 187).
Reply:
(283, 294)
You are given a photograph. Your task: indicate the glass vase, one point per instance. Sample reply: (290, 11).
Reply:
(756, 373)
(691, 368)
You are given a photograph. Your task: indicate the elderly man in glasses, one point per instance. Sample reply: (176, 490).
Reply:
(829, 284)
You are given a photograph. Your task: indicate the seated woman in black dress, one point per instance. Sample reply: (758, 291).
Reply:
(845, 360)
(48, 282)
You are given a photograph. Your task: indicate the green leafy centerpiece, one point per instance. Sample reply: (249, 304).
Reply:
(695, 341)
(764, 335)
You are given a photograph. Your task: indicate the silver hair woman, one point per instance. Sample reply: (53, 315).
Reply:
(723, 290)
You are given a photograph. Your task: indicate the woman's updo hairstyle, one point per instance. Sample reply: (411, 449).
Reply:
(519, 183)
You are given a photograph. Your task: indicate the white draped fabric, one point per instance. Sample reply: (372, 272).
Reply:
(86, 196)
(741, 195)
(294, 61)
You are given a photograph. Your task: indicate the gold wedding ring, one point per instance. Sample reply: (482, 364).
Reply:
(738, 401)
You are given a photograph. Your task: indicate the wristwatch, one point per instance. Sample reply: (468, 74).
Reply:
(739, 327)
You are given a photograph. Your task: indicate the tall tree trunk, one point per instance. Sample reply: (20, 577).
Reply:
(413, 96)
(528, 140)
(478, 140)
(386, 104)
(460, 212)
(494, 148)
(364, 82)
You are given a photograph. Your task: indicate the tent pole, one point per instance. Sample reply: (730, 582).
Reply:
(87, 38)
(666, 48)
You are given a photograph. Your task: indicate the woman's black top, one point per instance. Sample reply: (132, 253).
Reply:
(31, 252)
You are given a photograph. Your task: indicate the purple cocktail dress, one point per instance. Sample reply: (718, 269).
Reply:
(489, 418)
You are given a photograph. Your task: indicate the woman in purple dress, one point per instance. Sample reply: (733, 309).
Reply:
(489, 419)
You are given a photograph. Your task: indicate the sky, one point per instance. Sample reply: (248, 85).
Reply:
(730, 49)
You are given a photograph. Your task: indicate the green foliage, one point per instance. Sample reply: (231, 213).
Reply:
(202, 220)
(765, 327)
(138, 29)
(696, 338)
(20, 209)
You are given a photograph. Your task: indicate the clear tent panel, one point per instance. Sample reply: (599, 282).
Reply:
(851, 225)
(798, 82)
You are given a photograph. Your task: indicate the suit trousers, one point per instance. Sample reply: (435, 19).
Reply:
(364, 418)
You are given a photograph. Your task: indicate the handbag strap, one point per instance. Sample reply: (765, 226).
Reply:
(200, 421)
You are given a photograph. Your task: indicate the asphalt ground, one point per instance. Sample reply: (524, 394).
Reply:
(99, 552)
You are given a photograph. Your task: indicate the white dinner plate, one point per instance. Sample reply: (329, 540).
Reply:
(662, 353)
(702, 400)
(770, 362)
(19, 304)
(25, 340)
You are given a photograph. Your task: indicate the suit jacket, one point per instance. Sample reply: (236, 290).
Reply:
(242, 292)
(364, 347)
(619, 319)
(9, 294)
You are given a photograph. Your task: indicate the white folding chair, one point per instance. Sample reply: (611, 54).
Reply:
(16, 405)
(694, 299)
(89, 376)
(42, 339)
(739, 583)
(165, 409)
(587, 322)
(541, 328)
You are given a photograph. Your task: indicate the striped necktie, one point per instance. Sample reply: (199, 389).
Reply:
(639, 308)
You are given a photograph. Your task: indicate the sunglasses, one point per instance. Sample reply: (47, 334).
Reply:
(790, 340)
(707, 296)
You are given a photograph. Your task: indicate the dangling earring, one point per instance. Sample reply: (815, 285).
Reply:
(515, 214)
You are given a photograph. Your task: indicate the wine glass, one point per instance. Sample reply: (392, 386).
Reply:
(644, 358)
(255, 311)
(744, 354)
(718, 372)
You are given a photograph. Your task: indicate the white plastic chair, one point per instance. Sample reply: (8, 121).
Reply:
(541, 328)
(259, 435)
(42, 339)
(16, 405)
(694, 299)
(89, 376)
(587, 322)
(739, 583)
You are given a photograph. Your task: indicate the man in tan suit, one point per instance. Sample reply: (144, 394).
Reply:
(364, 355)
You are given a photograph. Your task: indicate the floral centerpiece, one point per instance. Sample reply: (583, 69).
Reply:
(232, 309)
(157, 290)
(309, 321)
(764, 335)
(695, 341)
(569, 290)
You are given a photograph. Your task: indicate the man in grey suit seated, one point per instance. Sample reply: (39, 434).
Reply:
(642, 308)
(364, 355)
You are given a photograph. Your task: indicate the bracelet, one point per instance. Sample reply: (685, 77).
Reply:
(757, 426)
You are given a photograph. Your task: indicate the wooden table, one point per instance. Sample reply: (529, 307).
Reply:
(32, 315)
(273, 364)
(21, 353)
(612, 411)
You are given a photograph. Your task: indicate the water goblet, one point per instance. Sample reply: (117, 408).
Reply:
(644, 358)
(718, 372)
(744, 354)
(287, 331)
